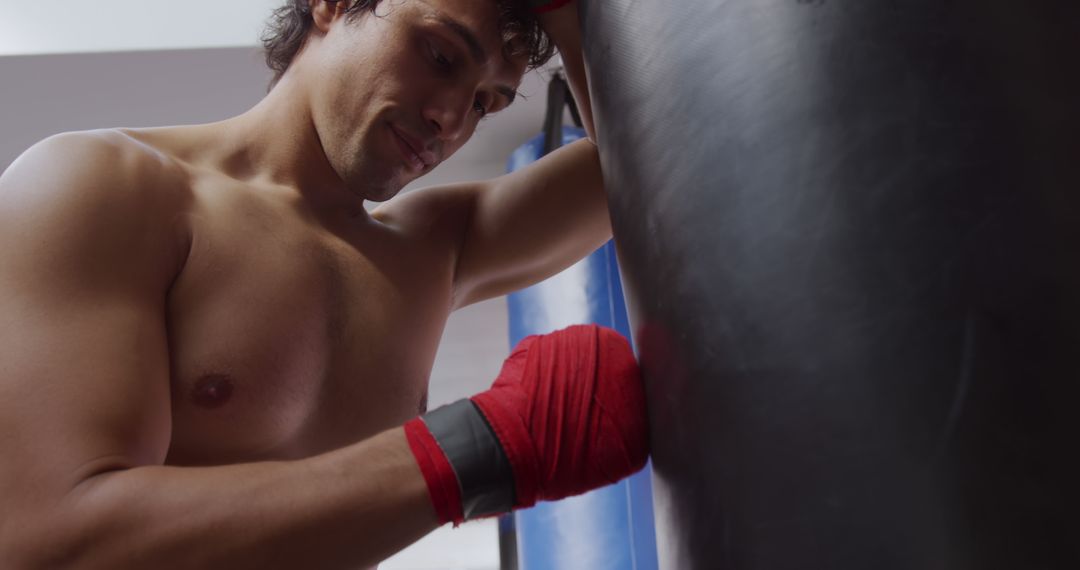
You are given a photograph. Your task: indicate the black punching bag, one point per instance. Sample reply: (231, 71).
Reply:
(850, 235)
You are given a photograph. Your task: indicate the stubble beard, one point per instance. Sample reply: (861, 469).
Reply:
(364, 173)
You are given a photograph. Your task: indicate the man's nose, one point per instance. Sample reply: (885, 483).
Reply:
(448, 114)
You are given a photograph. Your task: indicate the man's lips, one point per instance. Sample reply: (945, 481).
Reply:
(414, 150)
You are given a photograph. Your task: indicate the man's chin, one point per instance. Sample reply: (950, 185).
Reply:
(381, 189)
(379, 198)
(380, 184)
(381, 193)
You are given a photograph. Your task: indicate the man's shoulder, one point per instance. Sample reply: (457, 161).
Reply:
(437, 214)
(91, 188)
(440, 201)
(112, 154)
(90, 166)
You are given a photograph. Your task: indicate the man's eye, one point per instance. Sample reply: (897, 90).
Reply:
(479, 108)
(438, 56)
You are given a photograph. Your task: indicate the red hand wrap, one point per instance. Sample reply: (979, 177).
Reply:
(569, 411)
(441, 481)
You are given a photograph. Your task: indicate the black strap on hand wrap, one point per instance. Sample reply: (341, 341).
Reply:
(483, 471)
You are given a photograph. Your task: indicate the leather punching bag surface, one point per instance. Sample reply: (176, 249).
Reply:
(849, 232)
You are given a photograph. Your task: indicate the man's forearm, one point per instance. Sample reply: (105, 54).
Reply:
(345, 509)
(564, 28)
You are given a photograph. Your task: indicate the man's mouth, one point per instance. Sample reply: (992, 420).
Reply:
(413, 150)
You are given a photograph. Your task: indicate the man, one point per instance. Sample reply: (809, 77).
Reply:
(208, 348)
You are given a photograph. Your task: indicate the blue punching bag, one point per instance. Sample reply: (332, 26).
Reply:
(610, 528)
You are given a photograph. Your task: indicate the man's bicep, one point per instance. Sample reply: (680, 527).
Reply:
(83, 350)
(533, 223)
(85, 388)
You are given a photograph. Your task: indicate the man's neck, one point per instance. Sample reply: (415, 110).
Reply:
(275, 142)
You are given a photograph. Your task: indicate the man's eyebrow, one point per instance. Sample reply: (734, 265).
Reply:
(476, 49)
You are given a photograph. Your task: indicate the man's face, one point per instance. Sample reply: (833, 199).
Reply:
(402, 89)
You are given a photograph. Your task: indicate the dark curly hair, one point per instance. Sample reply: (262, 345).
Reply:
(289, 25)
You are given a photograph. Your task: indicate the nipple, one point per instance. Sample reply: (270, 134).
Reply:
(212, 391)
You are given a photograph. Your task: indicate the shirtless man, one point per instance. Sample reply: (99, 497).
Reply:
(208, 348)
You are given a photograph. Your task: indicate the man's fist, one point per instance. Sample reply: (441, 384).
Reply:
(566, 415)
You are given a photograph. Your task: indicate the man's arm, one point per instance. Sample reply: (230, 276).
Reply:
(523, 227)
(530, 224)
(88, 249)
(563, 26)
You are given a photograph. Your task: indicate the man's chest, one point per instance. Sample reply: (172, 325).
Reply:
(284, 343)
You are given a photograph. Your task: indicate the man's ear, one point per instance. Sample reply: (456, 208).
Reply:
(324, 12)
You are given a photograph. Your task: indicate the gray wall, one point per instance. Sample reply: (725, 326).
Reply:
(46, 94)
